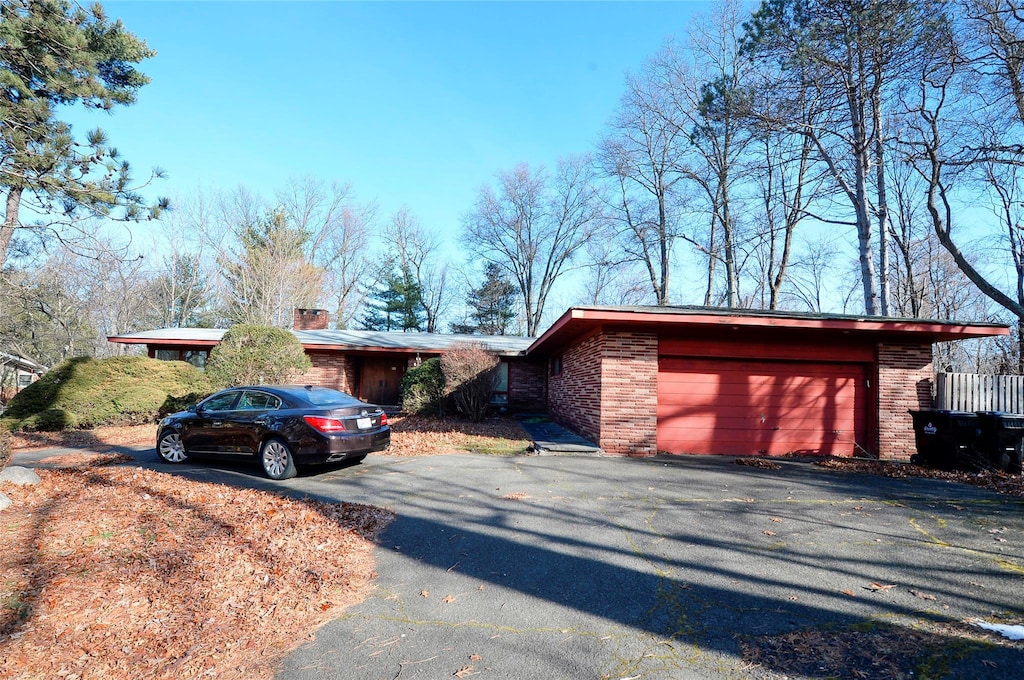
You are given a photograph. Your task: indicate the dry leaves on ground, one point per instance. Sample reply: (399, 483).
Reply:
(426, 435)
(1011, 485)
(120, 572)
(98, 439)
(882, 651)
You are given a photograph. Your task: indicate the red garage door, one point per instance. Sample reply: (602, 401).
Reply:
(744, 407)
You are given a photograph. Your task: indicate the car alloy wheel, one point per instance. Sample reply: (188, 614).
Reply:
(277, 460)
(170, 449)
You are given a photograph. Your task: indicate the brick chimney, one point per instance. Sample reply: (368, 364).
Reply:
(310, 319)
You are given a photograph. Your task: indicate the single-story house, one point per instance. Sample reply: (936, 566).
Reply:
(16, 373)
(639, 380)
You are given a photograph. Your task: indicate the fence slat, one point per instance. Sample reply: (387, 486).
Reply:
(975, 392)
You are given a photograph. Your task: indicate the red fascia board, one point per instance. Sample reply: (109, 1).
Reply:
(578, 321)
(163, 341)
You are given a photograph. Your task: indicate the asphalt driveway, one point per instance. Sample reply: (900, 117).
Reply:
(586, 567)
(573, 567)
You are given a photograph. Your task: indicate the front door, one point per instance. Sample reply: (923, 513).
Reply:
(380, 380)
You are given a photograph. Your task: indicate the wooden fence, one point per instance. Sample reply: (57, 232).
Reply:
(973, 392)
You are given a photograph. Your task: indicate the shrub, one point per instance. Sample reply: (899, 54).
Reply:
(423, 389)
(470, 374)
(5, 447)
(87, 392)
(256, 355)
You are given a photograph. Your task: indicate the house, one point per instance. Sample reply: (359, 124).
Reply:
(16, 373)
(639, 380)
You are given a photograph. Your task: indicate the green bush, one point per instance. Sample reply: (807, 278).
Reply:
(86, 392)
(423, 388)
(5, 447)
(256, 355)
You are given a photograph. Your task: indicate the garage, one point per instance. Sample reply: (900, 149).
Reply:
(745, 407)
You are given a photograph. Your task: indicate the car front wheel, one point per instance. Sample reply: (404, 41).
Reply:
(170, 449)
(277, 460)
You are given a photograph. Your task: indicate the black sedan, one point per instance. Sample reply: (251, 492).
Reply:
(284, 426)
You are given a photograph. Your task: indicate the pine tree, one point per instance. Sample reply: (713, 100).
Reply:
(396, 305)
(54, 54)
(493, 305)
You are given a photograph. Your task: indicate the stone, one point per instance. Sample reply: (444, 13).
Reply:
(15, 474)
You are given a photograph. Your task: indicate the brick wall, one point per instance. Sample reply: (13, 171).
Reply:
(904, 382)
(330, 369)
(526, 384)
(574, 395)
(629, 394)
(608, 392)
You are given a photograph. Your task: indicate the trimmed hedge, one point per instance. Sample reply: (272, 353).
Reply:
(84, 392)
(256, 355)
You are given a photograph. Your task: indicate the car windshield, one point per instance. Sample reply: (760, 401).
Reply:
(321, 396)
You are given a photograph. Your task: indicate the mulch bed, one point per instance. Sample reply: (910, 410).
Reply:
(120, 572)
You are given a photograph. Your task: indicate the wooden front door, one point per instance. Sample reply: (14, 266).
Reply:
(380, 379)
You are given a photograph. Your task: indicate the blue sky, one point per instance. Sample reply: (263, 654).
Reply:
(414, 104)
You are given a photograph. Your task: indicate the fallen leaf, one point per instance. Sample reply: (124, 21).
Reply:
(768, 532)
(879, 586)
(858, 507)
(475, 657)
(448, 599)
(1001, 540)
(958, 507)
(424, 593)
(848, 592)
(776, 519)
(923, 596)
(464, 672)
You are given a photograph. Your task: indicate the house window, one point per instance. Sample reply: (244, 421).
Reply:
(556, 365)
(24, 380)
(500, 395)
(195, 357)
(167, 355)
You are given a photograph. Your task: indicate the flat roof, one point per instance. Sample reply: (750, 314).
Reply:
(368, 341)
(578, 321)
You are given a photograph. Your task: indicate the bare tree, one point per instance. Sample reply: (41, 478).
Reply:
(855, 53)
(641, 156)
(417, 252)
(534, 226)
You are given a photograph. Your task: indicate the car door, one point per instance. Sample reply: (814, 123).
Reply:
(209, 430)
(255, 407)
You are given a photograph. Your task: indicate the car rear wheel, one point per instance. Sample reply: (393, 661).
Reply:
(170, 449)
(277, 460)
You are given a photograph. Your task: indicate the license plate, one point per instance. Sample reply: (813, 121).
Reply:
(364, 423)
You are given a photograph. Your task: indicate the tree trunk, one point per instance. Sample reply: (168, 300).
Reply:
(10, 222)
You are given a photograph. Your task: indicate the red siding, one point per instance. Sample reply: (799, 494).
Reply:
(761, 407)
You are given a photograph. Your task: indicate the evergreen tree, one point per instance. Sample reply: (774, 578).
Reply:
(54, 53)
(493, 305)
(396, 305)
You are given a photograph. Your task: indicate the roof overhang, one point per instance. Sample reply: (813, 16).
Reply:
(581, 321)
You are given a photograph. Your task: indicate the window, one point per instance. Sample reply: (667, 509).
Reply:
(556, 365)
(195, 357)
(221, 402)
(167, 355)
(500, 395)
(258, 401)
(24, 380)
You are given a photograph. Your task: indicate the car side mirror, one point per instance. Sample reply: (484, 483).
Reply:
(193, 408)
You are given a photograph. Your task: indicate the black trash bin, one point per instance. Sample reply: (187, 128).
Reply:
(1001, 439)
(945, 439)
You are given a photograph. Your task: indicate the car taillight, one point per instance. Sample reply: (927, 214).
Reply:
(324, 424)
(383, 419)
